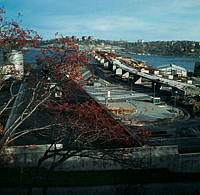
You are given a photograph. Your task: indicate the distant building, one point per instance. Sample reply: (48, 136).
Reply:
(172, 69)
(12, 65)
(120, 42)
(84, 38)
(140, 41)
(74, 37)
(68, 37)
(173, 42)
(91, 38)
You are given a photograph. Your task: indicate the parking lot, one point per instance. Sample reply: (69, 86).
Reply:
(146, 111)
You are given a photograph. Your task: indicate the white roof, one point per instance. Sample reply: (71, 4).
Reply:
(171, 66)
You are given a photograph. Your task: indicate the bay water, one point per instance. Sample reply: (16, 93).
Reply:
(151, 60)
(157, 61)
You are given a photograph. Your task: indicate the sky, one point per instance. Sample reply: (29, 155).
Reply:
(127, 20)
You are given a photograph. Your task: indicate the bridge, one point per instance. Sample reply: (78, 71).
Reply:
(127, 72)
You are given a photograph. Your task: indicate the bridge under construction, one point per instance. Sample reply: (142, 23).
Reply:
(125, 71)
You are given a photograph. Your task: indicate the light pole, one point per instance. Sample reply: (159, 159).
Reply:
(175, 98)
(106, 101)
(131, 79)
(175, 101)
(131, 84)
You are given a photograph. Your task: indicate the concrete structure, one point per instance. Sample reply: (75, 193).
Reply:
(182, 88)
(125, 75)
(102, 60)
(145, 70)
(172, 69)
(170, 77)
(139, 157)
(189, 81)
(156, 72)
(106, 64)
(13, 65)
(118, 71)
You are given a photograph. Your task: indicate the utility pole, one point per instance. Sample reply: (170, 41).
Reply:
(154, 92)
(131, 80)
(131, 85)
(175, 101)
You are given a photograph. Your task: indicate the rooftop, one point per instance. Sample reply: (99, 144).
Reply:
(171, 66)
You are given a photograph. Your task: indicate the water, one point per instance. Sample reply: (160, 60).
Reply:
(156, 61)
(152, 60)
(31, 56)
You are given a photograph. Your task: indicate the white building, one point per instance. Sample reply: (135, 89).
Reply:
(140, 41)
(172, 69)
(12, 65)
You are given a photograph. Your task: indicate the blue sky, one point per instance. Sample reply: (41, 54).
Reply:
(129, 20)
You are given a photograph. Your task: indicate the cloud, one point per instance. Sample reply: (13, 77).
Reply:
(102, 24)
(124, 27)
(116, 19)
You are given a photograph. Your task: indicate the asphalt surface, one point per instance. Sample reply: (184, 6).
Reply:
(181, 130)
(121, 92)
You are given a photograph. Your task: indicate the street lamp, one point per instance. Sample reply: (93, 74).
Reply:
(131, 79)
(131, 84)
(175, 99)
(107, 97)
(106, 100)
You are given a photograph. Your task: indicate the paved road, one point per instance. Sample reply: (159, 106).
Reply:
(188, 88)
(169, 133)
(139, 97)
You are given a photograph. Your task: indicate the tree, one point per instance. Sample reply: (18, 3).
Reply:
(53, 102)
(12, 37)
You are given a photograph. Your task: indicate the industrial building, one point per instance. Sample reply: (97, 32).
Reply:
(12, 65)
(172, 69)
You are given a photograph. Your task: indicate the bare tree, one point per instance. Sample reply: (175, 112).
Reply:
(71, 115)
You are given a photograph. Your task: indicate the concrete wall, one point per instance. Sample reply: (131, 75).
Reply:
(125, 75)
(114, 67)
(105, 64)
(138, 80)
(118, 71)
(102, 60)
(141, 157)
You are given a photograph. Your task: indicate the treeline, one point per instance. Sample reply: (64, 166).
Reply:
(165, 48)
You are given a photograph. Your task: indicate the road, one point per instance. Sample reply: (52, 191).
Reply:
(171, 133)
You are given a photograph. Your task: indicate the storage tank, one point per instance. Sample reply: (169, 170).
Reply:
(15, 58)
